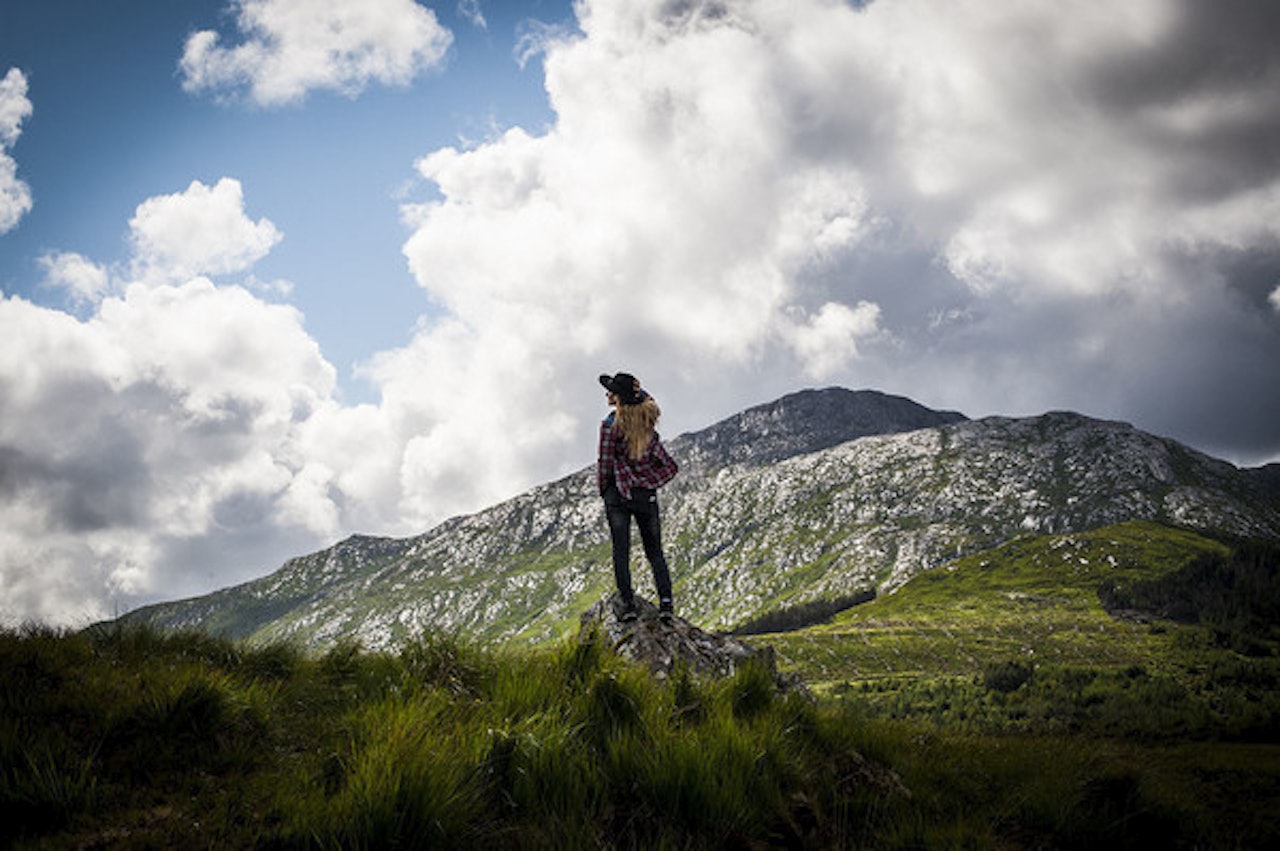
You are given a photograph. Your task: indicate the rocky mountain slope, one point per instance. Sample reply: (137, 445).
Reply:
(821, 494)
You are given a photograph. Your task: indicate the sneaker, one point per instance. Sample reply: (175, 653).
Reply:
(629, 613)
(666, 610)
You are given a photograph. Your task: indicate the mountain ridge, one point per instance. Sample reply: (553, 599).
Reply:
(769, 432)
(819, 494)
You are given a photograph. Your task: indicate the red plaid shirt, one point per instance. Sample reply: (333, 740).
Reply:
(651, 470)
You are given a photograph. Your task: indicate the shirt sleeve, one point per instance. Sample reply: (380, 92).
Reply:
(662, 458)
(604, 457)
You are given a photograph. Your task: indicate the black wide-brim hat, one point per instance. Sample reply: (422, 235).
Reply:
(624, 386)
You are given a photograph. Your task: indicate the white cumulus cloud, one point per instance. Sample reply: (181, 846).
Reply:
(664, 224)
(15, 107)
(200, 231)
(292, 47)
(765, 193)
(85, 280)
(155, 443)
(828, 341)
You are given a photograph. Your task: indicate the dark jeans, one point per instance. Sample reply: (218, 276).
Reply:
(643, 506)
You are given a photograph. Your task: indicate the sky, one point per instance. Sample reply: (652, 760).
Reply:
(276, 272)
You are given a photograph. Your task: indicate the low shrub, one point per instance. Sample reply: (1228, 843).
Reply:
(1007, 676)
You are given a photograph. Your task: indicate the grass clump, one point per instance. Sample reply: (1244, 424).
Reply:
(406, 779)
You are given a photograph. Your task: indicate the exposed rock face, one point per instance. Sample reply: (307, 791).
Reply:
(661, 643)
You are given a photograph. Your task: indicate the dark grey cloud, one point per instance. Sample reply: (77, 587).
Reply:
(1206, 96)
(1218, 49)
(82, 466)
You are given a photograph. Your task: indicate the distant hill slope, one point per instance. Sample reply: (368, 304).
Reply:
(1036, 598)
(820, 494)
(1136, 631)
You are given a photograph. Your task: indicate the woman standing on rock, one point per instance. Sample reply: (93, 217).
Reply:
(632, 465)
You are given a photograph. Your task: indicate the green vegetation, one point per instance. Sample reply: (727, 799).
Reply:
(135, 738)
(995, 705)
(1069, 633)
(1035, 600)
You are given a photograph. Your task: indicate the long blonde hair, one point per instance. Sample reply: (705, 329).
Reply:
(637, 424)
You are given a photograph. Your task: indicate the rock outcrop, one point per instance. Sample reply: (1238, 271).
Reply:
(661, 643)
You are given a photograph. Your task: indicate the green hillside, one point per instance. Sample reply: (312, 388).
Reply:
(1035, 634)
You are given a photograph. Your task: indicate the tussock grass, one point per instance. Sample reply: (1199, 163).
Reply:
(135, 737)
(935, 729)
(140, 739)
